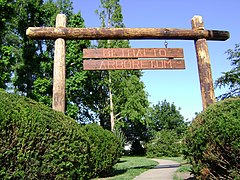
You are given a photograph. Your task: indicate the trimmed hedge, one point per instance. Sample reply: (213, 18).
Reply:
(213, 141)
(105, 149)
(39, 143)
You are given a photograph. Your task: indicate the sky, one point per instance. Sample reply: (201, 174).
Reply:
(180, 87)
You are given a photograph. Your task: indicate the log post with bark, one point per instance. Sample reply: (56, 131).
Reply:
(59, 70)
(204, 65)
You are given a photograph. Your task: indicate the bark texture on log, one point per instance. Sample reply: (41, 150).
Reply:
(125, 33)
(204, 65)
(59, 70)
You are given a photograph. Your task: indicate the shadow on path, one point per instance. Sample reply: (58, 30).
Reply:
(167, 166)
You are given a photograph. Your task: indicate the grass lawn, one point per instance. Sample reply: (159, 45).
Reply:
(130, 167)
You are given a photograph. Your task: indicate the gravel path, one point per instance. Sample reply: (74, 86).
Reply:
(165, 171)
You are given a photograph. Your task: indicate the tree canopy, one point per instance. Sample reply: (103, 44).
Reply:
(166, 116)
(6, 60)
(129, 99)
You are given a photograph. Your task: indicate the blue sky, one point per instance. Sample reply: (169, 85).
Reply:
(179, 86)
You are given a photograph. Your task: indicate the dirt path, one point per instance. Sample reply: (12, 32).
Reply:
(165, 171)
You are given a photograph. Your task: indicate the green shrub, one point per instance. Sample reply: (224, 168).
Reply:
(105, 149)
(213, 141)
(39, 143)
(122, 138)
(165, 143)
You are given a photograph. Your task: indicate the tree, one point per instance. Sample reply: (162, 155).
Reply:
(33, 59)
(76, 77)
(6, 59)
(6, 9)
(111, 16)
(129, 99)
(231, 79)
(30, 55)
(131, 105)
(166, 116)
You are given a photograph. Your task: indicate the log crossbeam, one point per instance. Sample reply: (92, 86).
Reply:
(125, 33)
(60, 33)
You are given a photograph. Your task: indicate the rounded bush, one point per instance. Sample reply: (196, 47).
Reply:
(213, 141)
(40, 143)
(105, 149)
(165, 143)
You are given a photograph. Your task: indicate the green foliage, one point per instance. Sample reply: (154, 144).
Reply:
(6, 62)
(65, 7)
(104, 150)
(39, 143)
(231, 79)
(164, 143)
(213, 141)
(129, 97)
(30, 62)
(6, 9)
(32, 58)
(76, 77)
(122, 138)
(111, 14)
(166, 116)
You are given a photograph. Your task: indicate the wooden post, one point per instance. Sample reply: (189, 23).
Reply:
(59, 71)
(204, 66)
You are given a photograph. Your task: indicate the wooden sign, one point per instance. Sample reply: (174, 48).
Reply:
(133, 53)
(115, 58)
(127, 64)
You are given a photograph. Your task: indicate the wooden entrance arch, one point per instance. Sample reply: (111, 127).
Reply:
(60, 33)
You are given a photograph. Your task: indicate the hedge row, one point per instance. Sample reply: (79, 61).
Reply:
(39, 143)
(213, 141)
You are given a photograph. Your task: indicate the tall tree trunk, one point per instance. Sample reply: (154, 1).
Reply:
(110, 89)
(111, 103)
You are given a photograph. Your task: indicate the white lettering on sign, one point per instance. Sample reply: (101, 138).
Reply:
(135, 64)
(115, 53)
